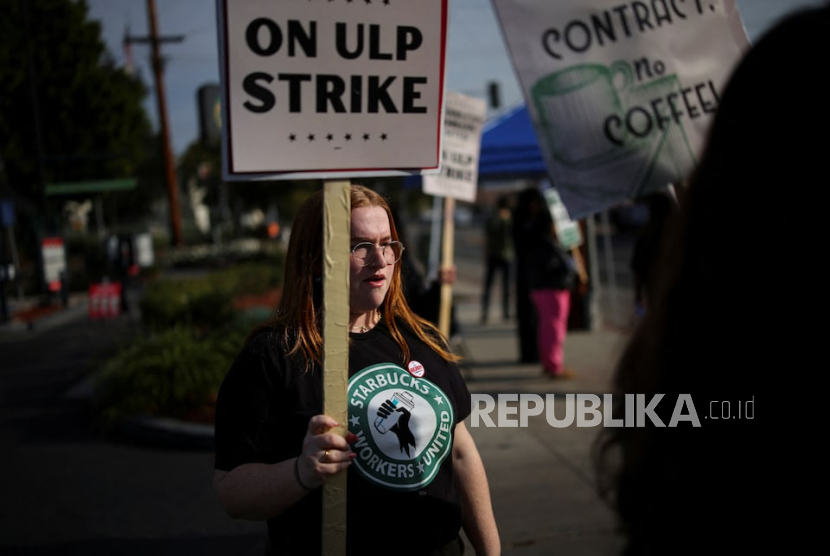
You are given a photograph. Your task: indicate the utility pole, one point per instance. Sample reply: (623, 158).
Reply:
(169, 166)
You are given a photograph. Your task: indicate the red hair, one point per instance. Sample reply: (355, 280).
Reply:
(299, 315)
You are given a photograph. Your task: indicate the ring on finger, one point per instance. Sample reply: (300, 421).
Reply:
(326, 456)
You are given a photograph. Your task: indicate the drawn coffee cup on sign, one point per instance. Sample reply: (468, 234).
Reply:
(573, 105)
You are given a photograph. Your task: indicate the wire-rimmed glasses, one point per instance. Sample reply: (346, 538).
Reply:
(364, 253)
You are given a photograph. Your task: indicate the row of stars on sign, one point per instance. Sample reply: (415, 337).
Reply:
(331, 137)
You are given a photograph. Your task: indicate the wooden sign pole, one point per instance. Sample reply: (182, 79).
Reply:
(336, 239)
(446, 262)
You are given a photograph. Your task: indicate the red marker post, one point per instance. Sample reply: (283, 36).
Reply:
(104, 300)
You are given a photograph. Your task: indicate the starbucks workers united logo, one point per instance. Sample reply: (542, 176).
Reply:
(403, 424)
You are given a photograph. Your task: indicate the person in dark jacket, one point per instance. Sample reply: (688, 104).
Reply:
(530, 220)
(499, 257)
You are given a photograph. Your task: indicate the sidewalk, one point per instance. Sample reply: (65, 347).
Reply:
(29, 316)
(541, 478)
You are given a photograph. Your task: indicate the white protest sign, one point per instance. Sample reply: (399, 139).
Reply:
(54, 261)
(331, 88)
(621, 93)
(463, 119)
(145, 256)
(568, 232)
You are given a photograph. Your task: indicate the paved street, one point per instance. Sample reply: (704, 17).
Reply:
(68, 489)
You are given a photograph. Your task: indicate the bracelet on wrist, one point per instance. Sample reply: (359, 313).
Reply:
(297, 475)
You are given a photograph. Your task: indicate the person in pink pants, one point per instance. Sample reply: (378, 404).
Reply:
(552, 307)
(551, 274)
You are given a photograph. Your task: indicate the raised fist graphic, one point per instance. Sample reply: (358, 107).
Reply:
(397, 406)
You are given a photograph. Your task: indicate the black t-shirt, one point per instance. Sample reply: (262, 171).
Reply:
(401, 489)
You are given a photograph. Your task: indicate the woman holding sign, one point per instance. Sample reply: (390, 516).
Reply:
(414, 473)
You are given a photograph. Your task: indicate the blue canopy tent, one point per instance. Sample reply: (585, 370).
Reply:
(509, 147)
(510, 150)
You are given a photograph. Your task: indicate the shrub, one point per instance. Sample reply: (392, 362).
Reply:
(168, 303)
(248, 278)
(194, 334)
(206, 302)
(166, 374)
(193, 302)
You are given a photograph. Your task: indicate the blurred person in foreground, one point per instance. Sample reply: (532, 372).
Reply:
(415, 476)
(720, 328)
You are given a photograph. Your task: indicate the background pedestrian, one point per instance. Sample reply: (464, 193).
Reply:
(531, 220)
(499, 256)
(551, 274)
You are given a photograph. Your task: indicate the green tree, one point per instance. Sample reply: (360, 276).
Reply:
(60, 89)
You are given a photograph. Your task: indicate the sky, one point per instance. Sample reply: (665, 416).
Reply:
(476, 52)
